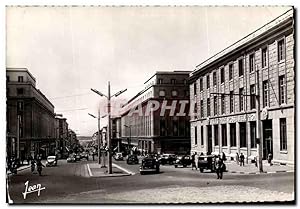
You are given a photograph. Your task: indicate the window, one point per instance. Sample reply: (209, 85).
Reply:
(162, 126)
(202, 109)
(282, 89)
(207, 81)
(231, 102)
(195, 108)
(173, 81)
(280, 50)
(202, 140)
(208, 107)
(251, 62)
(265, 93)
(20, 78)
(222, 75)
(215, 105)
(230, 71)
(195, 88)
(7, 78)
(253, 134)
(214, 78)
(162, 93)
(20, 91)
(196, 139)
(241, 67)
(283, 139)
(184, 81)
(216, 132)
(243, 135)
(264, 57)
(160, 81)
(224, 135)
(232, 135)
(174, 93)
(222, 104)
(201, 84)
(241, 95)
(187, 93)
(175, 126)
(20, 105)
(252, 97)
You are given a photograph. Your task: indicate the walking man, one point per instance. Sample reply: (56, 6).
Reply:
(196, 160)
(237, 158)
(219, 167)
(242, 159)
(193, 161)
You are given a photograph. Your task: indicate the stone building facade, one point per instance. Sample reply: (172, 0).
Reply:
(153, 132)
(30, 116)
(226, 122)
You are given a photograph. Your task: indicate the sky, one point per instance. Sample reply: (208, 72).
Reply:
(70, 50)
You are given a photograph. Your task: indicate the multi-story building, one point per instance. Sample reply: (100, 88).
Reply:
(226, 122)
(30, 116)
(62, 137)
(150, 127)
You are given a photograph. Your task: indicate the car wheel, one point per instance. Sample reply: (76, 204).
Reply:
(175, 166)
(141, 172)
(201, 170)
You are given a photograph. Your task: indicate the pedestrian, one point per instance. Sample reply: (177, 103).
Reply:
(93, 156)
(193, 161)
(196, 160)
(242, 159)
(219, 165)
(223, 157)
(270, 157)
(237, 158)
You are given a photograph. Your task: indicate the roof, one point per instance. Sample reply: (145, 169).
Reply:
(20, 70)
(178, 72)
(260, 31)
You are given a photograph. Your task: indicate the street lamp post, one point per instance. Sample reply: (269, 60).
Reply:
(109, 125)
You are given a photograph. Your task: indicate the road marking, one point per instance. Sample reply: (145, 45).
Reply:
(123, 169)
(89, 170)
(290, 171)
(271, 172)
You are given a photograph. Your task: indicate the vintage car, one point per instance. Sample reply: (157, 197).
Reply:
(77, 157)
(84, 155)
(51, 161)
(206, 162)
(118, 156)
(184, 160)
(149, 164)
(71, 159)
(167, 159)
(132, 159)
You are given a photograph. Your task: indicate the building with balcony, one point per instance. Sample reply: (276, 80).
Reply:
(150, 127)
(226, 121)
(30, 117)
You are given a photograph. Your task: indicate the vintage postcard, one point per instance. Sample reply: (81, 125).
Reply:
(150, 104)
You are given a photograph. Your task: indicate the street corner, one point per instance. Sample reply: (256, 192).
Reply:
(96, 170)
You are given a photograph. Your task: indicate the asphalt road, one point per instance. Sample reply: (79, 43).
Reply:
(69, 183)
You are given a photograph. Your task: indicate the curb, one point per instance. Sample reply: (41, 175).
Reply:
(264, 172)
(123, 169)
(20, 169)
(128, 173)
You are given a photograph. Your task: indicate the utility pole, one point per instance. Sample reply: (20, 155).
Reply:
(108, 132)
(258, 126)
(99, 143)
(18, 137)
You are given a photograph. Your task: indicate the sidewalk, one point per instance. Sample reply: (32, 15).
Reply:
(233, 167)
(24, 167)
(94, 170)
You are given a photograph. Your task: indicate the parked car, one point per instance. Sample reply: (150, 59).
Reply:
(149, 164)
(206, 162)
(71, 159)
(84, 155)
(51, 161)
(167, 159)
(132, 159)
(183, 160)
(77, 157)
(118, 156)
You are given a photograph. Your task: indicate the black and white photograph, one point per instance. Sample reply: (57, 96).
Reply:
(143, 105)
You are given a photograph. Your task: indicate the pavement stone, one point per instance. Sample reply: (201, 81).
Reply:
(233, 167)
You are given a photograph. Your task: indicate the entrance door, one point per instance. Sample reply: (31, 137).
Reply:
(267, 138)
(209, 139)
